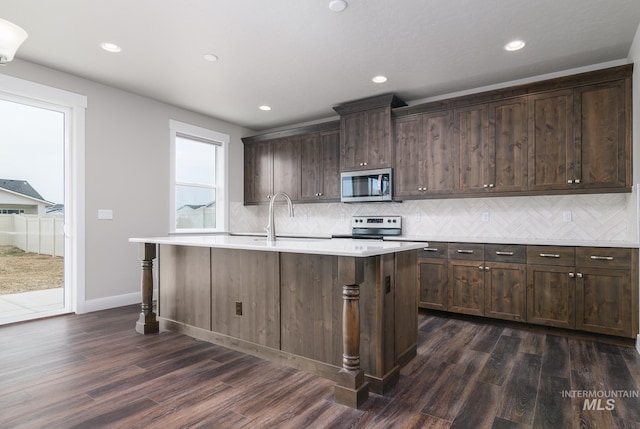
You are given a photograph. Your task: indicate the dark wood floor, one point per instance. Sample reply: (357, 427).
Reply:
(94, 370)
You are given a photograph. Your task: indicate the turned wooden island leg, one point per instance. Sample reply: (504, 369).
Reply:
(351, 390)
(147, 323)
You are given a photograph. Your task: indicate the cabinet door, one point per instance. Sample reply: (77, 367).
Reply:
(366, 140)
(329, 188)
(466, 287)
(320, 166)
(377, 153)
(432, 281)
(409, 142)
(311, 171)
(551, 146)
(286, 166)
(600, 130)
(472, 149)
(352, 136)
(603, 301)
(505, 291)
(507, 154)
(185, 287)
(551, 295)
(258, 173)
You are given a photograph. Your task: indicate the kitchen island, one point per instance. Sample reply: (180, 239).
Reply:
(340, 308)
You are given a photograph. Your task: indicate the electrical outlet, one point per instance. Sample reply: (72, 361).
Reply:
(418, 216)
(387, 284)
(238, 308)
(485, 216)
(566, 216)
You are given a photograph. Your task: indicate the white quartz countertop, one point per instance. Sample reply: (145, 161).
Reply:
(528, 241)
(317, 246)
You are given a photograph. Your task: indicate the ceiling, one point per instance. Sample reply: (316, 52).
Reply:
(300, 58)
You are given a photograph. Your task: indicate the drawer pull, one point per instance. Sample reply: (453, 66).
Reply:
(602, 258)
(549, 255)
(499, 253)
(466, 252)
(430, 249)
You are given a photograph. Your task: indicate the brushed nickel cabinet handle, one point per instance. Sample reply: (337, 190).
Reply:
(549, 255)
(602, 258)
(498, 252)
(481, 268)
(466, 252)
(430, 249)
(576, 181)
(579, 275)
(572, 275)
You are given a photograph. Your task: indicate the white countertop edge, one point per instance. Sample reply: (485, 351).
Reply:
(313, 246)
(523, 241)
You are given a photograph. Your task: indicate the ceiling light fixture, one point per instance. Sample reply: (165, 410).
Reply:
(210, 57)
(337, 5)
(379, 79)
(514, 45)
(110, 47)
(265, 108)
(11, 37)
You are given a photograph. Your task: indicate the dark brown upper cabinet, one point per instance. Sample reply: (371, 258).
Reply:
(580, 138)
(303, 162)
(365, 133)
(491, 147)
(471, 154)
(508, 142)
(320, 166)
(423, 154)
(271, 167)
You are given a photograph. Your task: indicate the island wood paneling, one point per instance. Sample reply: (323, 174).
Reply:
(184, 287)
(251, 278)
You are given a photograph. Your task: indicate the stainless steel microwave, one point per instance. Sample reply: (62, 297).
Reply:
(366, 185)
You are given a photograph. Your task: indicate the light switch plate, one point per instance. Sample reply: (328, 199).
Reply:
(104, 214)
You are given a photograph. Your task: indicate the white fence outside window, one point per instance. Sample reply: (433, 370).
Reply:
(33, 233)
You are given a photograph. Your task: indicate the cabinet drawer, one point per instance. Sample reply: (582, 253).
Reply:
(434, 249)
(466, 251)
(514, 253)
(606, 257)
(551, 255)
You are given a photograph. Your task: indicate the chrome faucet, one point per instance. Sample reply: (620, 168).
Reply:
(271, 227)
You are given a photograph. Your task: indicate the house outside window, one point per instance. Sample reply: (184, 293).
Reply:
(198, 179)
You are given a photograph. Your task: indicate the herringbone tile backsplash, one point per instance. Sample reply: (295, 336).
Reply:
(597, 217)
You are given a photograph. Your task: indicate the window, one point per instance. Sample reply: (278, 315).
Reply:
(198, 179)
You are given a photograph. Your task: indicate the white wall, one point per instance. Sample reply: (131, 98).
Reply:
(127, 165)
(634, 55)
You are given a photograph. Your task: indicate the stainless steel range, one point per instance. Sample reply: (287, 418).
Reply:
(373, 227)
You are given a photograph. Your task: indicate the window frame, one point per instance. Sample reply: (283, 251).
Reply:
(221, 141)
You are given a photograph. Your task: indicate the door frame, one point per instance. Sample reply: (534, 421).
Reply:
(73, 106)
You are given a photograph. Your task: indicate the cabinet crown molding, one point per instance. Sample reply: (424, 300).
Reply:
(377, 101)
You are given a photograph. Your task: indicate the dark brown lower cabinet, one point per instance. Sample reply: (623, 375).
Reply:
(551, 296)
(593, 289)
(433, 276)
(603, 301)
(505, 291)
(466, 287)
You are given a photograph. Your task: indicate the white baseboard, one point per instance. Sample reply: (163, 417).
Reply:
(114, 301)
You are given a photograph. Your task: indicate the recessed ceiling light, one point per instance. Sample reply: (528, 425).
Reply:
(337, 5)
(265, 108)
(210, 57)
(514, 45)
(379, 79)
(110, 47)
